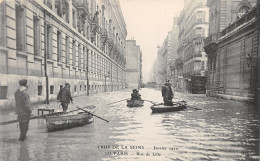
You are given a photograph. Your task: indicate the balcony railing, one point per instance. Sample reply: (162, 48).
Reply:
(211, 39)
(243, 20)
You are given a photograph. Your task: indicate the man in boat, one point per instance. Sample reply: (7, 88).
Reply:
(23, 108)
(135, 95)
(64, 96)
(167, 94)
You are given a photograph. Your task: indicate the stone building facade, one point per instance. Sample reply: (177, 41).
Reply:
(51, 42)
(192, 61)
(172, 53)
(232, 49)
(133, 65)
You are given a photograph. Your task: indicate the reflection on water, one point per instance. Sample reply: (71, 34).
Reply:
(221, 130)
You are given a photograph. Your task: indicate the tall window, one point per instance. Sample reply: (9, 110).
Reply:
(2, 24)
(20, 28)
(84, 58)
(49, 3)
(37, 35)
(199, 16)
(79, 56)
(67, 13)
(49, 42)
(74, 53)
(67, 50)
(74, 18)
(59, 49)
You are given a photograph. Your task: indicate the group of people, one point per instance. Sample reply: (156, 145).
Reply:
(23, 105)
(167, 94)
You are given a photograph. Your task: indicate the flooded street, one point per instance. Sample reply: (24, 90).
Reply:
(209, 129)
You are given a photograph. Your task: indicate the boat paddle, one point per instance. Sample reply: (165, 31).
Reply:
(155, 103)
(92, 114)
(116, 102)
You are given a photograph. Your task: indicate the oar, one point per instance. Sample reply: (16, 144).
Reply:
(92, 114)
(152, 102)
(116, 102)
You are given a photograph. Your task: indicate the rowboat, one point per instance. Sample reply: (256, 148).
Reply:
(177, 106)
(135, 103)
(70, 119)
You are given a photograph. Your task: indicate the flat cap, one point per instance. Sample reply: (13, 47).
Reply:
(23, 82)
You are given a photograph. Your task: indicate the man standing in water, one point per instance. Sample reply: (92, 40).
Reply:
(64, 96)
(167, 94)
(23, 108)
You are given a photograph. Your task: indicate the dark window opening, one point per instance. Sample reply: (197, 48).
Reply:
(51, 89)
(80, 87)
(3, 92)
(85, 87)
(75, 88)
(39, 90)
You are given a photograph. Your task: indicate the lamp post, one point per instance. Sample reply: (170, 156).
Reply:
(106, 75)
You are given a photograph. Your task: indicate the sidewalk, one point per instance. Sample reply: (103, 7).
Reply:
(10, 115)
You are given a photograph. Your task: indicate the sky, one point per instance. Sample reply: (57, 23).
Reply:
(148, 22)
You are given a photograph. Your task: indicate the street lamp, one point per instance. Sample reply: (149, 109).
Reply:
(106, 75)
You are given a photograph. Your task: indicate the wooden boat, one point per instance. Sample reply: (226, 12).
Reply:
(177, 106)
(135, 103)
(70, 119)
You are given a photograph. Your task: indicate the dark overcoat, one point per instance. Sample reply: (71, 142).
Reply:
(64, 95)
(22, 102)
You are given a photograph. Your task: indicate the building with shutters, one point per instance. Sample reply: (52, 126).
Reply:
(191, 63)
(51, 42)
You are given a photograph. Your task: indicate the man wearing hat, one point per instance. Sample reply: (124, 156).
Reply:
(64, 96)
(167, 93)
(23, 108)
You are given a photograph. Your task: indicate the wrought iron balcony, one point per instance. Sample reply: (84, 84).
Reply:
(210, 43)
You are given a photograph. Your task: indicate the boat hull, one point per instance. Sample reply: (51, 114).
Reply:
(135, 103)
(177, 106)
(66, 121)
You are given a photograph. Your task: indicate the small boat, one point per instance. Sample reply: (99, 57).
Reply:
(71, 119)
(177, 106)
(135, 103)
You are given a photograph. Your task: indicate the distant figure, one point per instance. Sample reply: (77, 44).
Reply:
(167, 94)
(64, 96)
(135, 95)
(23, 108)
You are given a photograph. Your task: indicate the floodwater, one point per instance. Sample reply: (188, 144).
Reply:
(209, 129)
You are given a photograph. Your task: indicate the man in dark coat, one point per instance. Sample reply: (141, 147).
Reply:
(64, 96)
(135, 95)
(23, 108)
(167, 94)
